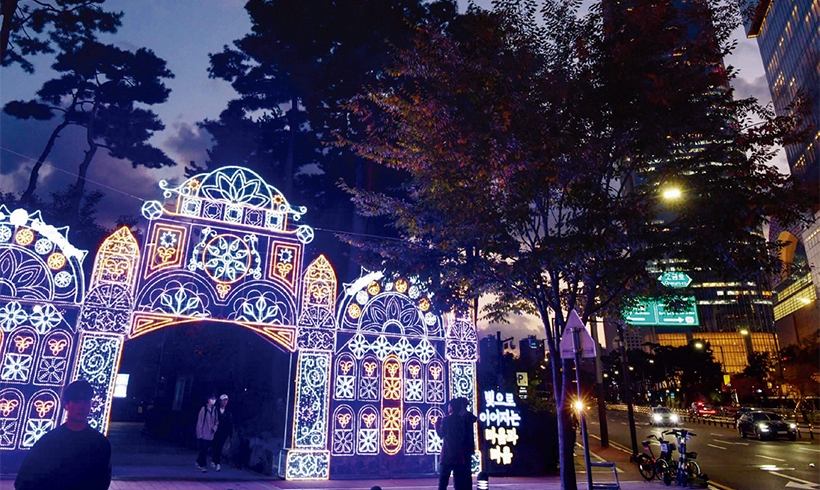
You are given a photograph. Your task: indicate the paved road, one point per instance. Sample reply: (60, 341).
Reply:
(732, 462)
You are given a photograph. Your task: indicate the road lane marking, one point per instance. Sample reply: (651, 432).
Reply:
(798, 480)
(614, 445)
(769, 457)
(718, 447)
(718, 486)
(809, 449)
(730, 442)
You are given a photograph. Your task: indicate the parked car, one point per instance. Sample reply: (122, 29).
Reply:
(766, 425)
(663, 416)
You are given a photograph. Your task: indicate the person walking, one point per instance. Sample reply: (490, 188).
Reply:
(451, 431)
(206, 426)
(463, 480)
(224, 431)
(74, 456)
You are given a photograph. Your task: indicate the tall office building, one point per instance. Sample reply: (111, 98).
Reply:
(532, 350)
(735, 316)
(788, 35)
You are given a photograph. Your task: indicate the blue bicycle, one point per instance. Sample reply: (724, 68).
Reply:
(685, 471)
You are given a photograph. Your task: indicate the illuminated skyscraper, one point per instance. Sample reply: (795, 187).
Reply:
(725, 307)
(788, 35)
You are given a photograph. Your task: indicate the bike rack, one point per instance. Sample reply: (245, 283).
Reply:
(616, 485)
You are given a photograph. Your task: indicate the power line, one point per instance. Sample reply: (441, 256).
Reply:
(341, 232)
(73, 174)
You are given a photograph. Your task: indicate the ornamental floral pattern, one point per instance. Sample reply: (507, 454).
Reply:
(392, 345)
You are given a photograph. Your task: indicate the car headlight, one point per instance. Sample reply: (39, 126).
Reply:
(674, 418)
(763, 427)
(657, 417)
(792, 426)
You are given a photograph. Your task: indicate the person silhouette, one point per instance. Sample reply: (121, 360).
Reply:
(74, 456)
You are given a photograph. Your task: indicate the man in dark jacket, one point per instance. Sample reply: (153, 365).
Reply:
(462, 479)
(73, 456)
(458, 445)
(451, 431)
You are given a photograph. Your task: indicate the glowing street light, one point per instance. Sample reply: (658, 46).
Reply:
(698, 345)
(672, 193)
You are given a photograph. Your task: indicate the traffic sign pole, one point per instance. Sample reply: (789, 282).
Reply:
(576, 344)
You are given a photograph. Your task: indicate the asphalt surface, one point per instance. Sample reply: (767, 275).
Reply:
(730, 461)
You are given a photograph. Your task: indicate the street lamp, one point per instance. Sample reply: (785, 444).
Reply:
(672, 193)
(699, 346)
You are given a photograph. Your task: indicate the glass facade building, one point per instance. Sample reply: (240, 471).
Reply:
(788, 36)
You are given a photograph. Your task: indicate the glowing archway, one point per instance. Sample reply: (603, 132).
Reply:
(374, 366)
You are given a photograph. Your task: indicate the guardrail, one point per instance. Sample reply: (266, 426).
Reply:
(803, 428)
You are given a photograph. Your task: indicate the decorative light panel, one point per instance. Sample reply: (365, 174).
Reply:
(500, 421)
(41, 287)
(392, 377)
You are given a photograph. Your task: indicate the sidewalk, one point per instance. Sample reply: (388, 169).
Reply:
(176, 476)
(145, 463)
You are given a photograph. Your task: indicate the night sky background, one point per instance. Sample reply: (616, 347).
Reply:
(184, 33)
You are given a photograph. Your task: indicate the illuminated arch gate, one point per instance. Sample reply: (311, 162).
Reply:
(41, 291)
(225, 246)
(395, 364)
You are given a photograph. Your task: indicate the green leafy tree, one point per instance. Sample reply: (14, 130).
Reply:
(103, 90)
(32, 27)
(292, 72)
(760, 367)
(800, 367)
(535, 153)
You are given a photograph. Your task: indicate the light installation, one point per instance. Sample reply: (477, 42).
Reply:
(41, 290)
(500, 421)
(374, 365)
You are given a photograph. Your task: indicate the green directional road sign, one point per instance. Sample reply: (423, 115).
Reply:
(645, 314)
(686, 317)
(675, 279)
(652, 313)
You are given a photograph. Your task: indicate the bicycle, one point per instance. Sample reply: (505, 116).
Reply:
(686, 471)
(651, 467)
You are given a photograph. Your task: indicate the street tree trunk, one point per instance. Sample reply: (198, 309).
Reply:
(79, 187)
(28, 195)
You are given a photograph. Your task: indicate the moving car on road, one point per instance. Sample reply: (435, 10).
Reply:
(766, 425)
(663, 416)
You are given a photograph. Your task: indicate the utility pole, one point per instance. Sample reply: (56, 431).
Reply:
(599, 389)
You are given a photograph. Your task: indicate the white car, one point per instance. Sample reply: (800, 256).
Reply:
(663, 416)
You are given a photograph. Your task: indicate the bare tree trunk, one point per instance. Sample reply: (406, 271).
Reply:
(76, 200)
(27, 196)
(79, 186)
(7, 11)
(567, 443)
(566, 460)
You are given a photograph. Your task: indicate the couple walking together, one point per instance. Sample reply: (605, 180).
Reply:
(214, 426)
(458, 445)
